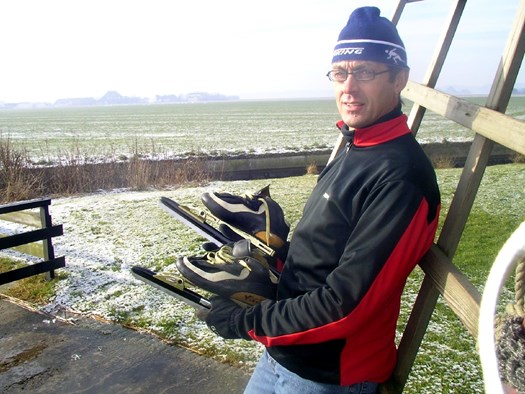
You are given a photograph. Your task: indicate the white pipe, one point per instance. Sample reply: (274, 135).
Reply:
(510, 254)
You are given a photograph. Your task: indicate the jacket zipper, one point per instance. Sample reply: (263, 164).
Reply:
(350, 143)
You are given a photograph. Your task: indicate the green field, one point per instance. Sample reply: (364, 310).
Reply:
(170, 131)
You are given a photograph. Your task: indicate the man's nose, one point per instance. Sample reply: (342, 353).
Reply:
(350, 84)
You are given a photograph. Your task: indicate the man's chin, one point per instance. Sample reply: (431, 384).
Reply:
(355, 122)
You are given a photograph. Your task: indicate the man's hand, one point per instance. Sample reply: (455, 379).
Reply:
(224, 318)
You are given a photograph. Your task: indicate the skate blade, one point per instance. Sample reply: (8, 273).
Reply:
(171, 285)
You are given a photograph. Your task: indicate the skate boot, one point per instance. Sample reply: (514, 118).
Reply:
(256, 214)
(246, 279)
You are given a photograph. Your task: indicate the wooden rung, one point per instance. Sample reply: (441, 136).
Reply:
(484, 121)
(23, 205)
(33, 269)
(459, 293)
(33, 249)
(31, 236)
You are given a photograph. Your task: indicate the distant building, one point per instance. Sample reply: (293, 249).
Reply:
(204, 97)
(115, 98)
(75, 102)
(169, 98)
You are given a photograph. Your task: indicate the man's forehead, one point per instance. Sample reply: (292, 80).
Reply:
(353, 64)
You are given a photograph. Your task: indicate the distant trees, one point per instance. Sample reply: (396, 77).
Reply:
(194, 97)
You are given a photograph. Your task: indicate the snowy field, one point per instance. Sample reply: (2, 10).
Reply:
(178, 130)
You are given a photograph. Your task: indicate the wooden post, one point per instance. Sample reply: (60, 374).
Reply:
(49, 251)
(435, 66)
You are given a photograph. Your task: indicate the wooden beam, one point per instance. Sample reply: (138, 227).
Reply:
(22, 205)
(31, 236)
(398, 11)
(436, 64)
(412, 336)
(339, 144)
(465, 194)
(33, 269)
(459, 293)
(33, 249)
(487, 122)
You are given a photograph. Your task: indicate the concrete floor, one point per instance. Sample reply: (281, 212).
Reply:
(39, 354)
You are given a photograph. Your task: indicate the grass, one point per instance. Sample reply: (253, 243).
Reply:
(447, 361)
(35, 289)
(479, 247)
(446, 338)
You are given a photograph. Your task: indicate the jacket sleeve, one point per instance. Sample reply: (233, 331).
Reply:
(390, 236)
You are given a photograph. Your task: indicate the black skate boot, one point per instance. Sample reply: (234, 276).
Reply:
(246, 279)
(256, 214)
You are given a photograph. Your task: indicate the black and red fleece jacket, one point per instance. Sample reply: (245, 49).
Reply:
(371, 217)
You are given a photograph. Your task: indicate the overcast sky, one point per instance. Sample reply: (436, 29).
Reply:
(54, 49)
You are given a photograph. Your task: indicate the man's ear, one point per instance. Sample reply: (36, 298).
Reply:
(401, 80)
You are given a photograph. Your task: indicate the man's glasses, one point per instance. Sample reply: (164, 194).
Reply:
(360, 75)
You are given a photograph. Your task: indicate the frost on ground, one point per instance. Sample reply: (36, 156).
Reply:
(105, 234)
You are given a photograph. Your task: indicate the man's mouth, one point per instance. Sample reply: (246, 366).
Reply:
(352, 106)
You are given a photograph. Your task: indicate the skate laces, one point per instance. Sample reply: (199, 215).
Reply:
(259, 196)
(224, 256)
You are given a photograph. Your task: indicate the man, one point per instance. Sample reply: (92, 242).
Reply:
(369, 220)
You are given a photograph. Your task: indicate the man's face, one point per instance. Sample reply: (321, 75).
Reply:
(361, 103)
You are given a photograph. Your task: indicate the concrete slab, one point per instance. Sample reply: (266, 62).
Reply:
(42, 355)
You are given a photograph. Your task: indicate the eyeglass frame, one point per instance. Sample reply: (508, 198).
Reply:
(355, 74)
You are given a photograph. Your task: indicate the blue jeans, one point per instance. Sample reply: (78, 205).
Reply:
(270, 377)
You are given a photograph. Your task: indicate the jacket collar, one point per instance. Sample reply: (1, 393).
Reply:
(376, 134)
(381, 132)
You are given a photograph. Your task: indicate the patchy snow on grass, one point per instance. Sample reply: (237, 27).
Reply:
(105, 234)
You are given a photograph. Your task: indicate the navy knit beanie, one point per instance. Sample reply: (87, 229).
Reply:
(368, 36)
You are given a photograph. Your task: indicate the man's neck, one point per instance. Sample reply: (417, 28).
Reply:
(388, 116)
